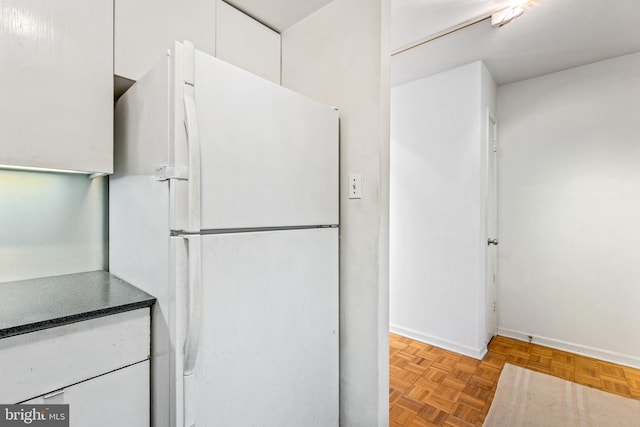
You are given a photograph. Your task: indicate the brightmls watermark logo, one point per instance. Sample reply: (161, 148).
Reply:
(34, 415)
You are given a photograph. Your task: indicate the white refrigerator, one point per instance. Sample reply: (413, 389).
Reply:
(224, 206)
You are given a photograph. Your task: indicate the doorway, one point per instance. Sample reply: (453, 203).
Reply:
(492, 225)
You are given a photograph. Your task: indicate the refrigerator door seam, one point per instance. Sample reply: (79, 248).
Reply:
(175, 233)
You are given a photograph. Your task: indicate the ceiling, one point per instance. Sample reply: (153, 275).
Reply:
(279, 14)
(552, 35)
(411, 20)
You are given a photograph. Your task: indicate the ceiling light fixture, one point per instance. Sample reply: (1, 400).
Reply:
(504, 16)
(499, 18)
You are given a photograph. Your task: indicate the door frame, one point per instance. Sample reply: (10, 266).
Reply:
(491, 215)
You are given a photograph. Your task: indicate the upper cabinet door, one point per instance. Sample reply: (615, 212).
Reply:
(146, 29)
(246, 43)
(56, 81)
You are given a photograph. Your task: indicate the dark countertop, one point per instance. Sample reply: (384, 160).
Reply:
(32, 305)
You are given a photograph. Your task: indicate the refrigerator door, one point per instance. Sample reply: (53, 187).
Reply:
(268, 156)
(268, 352)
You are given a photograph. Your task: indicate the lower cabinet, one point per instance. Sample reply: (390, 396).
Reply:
(99, 367)
(119, 398)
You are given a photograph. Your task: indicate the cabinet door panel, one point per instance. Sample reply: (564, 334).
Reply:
(146, 29)
(38, 362)
(119, 398)
(56, 80)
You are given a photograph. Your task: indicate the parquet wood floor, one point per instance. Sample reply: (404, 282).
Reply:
(430, 386)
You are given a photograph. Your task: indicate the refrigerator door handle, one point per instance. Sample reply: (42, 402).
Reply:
(193, 137)
(194, 326)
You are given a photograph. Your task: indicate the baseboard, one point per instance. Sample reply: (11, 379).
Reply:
(439, 342)
(597, 353)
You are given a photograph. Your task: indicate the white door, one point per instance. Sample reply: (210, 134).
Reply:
(269, 343)
(492, 227)
(269, 155)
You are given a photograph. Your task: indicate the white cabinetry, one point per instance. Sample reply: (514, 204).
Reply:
(146, 29)
(99, 367)
(56, 80)
(119, 398)
(246, 43)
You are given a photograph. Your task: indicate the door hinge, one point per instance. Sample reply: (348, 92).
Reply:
(166, 172)
(495, 146)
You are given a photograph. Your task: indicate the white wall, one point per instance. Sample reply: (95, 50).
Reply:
(569, 206)
(438, 238)
(340, 57)
(51, 224)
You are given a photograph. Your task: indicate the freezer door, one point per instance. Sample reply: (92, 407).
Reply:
(269, 341)
(269, 156)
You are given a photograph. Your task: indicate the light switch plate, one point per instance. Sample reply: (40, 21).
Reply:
(355, 186)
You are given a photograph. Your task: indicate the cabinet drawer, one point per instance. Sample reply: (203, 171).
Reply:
(36, 363)
(119, 398)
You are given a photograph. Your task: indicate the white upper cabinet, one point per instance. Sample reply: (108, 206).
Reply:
(246, 43)
(56, 84)
(146, 29)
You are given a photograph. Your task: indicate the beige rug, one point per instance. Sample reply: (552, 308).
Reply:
(529, 398)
